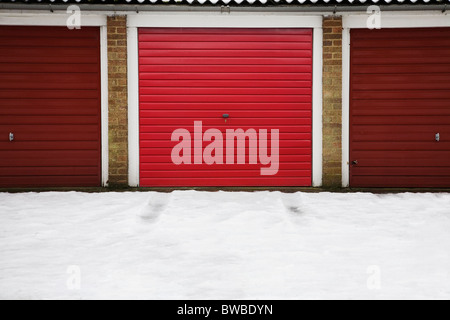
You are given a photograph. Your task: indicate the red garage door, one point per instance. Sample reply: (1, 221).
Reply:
(400, 108)
(49, 107)
(222, 79)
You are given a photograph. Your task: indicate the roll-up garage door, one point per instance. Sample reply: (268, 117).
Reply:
(214, 80)
(49, 107)
(400, 108)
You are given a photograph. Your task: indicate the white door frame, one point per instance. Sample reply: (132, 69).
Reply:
(430, 19)
(87, 20)
(218, 20)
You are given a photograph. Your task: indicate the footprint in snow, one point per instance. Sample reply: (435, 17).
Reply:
(292, 202)
(155, 207)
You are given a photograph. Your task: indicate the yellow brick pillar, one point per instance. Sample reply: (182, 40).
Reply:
(332, 101)
(118, 101)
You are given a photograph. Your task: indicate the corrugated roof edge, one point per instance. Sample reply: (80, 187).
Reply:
(237, 2)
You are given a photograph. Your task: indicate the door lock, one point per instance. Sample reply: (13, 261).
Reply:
(438, 137)
(11, 136)
(355, 162)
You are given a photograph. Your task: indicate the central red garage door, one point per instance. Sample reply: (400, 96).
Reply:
(50, 105)
(225, 79)
(400, 108)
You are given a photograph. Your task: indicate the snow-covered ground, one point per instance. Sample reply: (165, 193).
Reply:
(200, 245)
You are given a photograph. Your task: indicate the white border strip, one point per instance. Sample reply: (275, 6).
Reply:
(345, 107)
(400, 20)
(218, 20)
(52, 19)
(317, 99)
(104, 104)
(133, 107)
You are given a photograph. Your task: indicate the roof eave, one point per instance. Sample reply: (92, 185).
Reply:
(213, 8)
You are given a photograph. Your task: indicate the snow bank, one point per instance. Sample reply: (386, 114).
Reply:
(199, 245)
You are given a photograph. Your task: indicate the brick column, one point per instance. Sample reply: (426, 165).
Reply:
(118, 101)
(332, 101)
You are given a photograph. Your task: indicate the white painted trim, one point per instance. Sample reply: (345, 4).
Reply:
(104, 104)
(345, 107)
(133, 107)
(317, 99)
(50, 19)
(400, 20)
(218, 20)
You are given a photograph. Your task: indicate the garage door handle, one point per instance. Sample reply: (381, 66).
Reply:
(355, 163)
(11, 136)
(438, 137)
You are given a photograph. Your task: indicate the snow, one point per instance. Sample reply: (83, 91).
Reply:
(224, 245)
